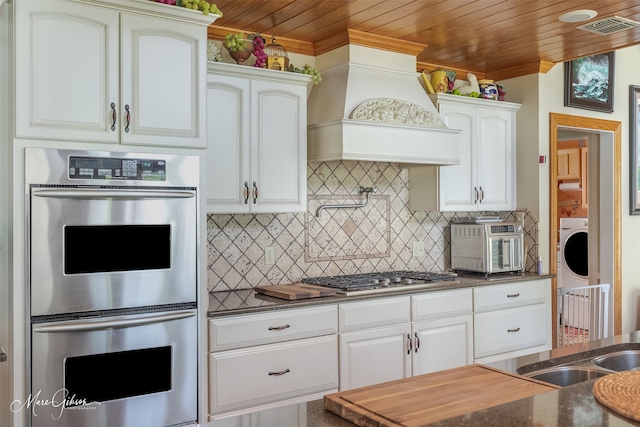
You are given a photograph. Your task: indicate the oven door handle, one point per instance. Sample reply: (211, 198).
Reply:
(83, 325)
(91, 193)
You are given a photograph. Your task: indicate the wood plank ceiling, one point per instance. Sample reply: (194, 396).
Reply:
(493, 38)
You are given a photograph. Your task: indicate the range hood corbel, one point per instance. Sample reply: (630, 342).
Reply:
(366, 112)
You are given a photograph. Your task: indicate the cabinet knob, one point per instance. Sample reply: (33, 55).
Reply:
(114, 116)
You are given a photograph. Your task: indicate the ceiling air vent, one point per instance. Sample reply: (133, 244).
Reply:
(610, 25)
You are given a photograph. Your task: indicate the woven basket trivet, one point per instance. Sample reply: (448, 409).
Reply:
(620, 392)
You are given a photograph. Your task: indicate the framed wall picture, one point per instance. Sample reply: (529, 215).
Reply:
(588, 82)
(634, 149)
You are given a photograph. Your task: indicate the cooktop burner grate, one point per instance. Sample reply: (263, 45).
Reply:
(378, 282)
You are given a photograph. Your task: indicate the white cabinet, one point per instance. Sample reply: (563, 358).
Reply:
(485, 179)
(442, 330)
(374, 342)
(114, 72)
(257, 140)
(511, 320)
(264, 360)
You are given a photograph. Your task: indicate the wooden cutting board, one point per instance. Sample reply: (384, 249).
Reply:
(424, 399)
(295, 291)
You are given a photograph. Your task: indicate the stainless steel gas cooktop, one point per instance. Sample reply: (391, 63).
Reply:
(368, 283)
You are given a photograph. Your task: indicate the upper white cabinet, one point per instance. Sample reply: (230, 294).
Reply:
(485, 179)
(256, 140)
(102, 72)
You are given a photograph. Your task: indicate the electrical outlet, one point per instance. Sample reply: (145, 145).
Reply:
(418, 249)
(269, 255)
(520, 218)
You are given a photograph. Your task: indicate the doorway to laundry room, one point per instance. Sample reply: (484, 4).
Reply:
(585, 218)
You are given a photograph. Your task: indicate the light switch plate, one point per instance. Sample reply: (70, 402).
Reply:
(269, 255)
(418, 249)
(520, 218)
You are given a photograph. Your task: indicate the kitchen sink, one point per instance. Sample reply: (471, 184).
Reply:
(567, 375)
(619, 361)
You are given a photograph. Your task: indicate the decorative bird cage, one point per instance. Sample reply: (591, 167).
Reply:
(277, 58)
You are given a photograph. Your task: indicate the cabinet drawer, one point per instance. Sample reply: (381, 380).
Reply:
(497, 297)
(249, 377)
(226, 333)
(374, 313)
(438, 305)
(511, 329)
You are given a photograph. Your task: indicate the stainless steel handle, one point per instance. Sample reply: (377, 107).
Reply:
(481, 194)
(513, 330)
(475, 189)
(513, 295)
(95, 193)
(114, 116)
(255, 192)
(127, 118)
(410, 344)
(246, 192)
(279, 328)
(280, 372)
(415, 334)
(83, 325)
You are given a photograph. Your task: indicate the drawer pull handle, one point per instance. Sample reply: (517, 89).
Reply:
(513, 295)
(279, 373)
(513, 330)
(410, 344)
(279, 328)
(417, 341)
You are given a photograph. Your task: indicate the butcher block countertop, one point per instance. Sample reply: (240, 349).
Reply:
(573, 406)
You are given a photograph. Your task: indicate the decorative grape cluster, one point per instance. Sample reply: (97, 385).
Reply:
(314, 73)
(235, 42)
(258, 52)
(170, 2)
(202, 5)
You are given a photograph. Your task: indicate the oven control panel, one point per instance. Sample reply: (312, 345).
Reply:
(113, 168)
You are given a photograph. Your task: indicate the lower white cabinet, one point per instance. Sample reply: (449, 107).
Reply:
(255, 376)
(442, 344)
(374, 356)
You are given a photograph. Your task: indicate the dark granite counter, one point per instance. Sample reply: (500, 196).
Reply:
(569, 406)
(248, 301)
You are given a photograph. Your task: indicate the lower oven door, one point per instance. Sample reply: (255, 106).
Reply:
(136, 370)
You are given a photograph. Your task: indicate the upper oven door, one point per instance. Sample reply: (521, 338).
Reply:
(108, 248)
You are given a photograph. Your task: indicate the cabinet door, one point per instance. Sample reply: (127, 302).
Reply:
(496, 157)
(278, 147)
(457, 191)
(228, 141)
(66, 71)
(374, 356)
(442, 344)
(163, 82)
(569, 162)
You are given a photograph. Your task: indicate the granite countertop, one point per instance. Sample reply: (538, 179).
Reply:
(569, 406)
(246, 301)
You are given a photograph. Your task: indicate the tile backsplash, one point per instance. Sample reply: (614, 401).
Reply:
(376, 237)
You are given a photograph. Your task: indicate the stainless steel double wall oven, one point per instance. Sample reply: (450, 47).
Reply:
(113, 260)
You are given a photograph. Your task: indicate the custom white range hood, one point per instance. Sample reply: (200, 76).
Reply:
(371, 106)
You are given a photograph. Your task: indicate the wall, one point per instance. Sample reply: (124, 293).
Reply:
(548, 89)
(377, 237)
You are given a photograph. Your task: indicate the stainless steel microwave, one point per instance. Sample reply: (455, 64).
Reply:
(495, 247)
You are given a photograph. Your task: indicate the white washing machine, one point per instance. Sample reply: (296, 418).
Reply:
(574, 252)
